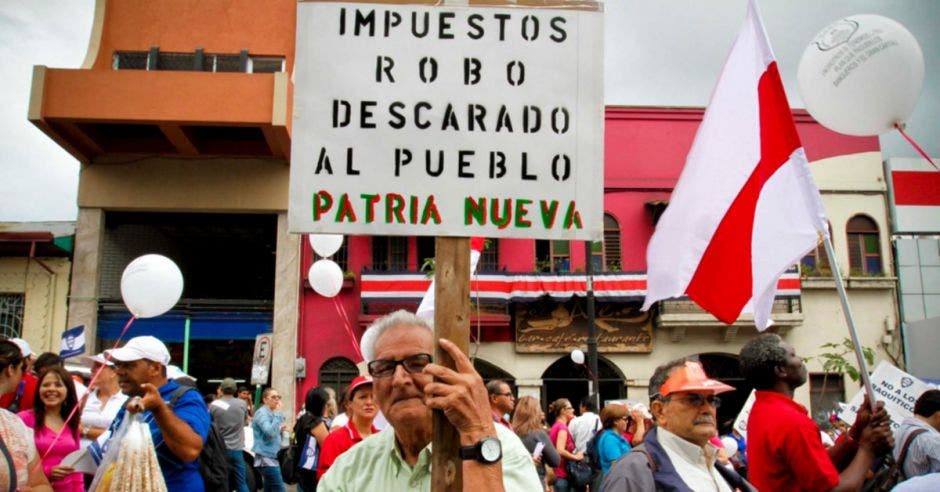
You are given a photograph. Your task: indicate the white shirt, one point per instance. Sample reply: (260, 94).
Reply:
(694, 464)
(96, 414)
(583, 427)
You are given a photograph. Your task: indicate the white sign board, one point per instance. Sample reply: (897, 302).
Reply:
(740, 423)
(261, 362)
(898, 389)
(448, 121)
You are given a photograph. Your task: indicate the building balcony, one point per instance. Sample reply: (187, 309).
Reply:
(96, 114)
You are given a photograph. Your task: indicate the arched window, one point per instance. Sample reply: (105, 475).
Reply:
(605, 256)
(11, 315)
(816, 262)
(864, 246)
(337, 373)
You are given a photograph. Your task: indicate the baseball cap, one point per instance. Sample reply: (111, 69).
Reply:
(356, 383)
(98, 359)
(691, 377)
(228, 384)
(145, 347)
(24, 347)
(177, 374)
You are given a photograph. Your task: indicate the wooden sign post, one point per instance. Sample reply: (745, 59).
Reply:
(451, 321)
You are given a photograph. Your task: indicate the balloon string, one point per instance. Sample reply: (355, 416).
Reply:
(352, 337)
(917, 147)
(91, 384)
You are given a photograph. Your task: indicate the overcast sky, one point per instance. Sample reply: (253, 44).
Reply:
(658, 53)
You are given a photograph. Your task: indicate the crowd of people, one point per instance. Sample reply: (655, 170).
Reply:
(378, 436)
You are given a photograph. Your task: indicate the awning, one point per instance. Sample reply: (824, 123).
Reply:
(522, 287)
(170, 327)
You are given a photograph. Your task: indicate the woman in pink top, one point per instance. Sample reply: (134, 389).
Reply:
(55, 400)
(563, 412)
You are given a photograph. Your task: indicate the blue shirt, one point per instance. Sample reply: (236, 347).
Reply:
(266, 428)
(190, 408)
(611, 446)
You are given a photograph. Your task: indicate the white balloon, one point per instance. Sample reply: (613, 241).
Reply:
(730, 445)
(151, 285)
(325, 245)
(577, 356)
(862, 74)
(326, 277)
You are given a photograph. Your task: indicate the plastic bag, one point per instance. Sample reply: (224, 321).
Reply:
(130, 462)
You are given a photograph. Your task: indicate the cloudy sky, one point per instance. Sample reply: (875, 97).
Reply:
(657, 53)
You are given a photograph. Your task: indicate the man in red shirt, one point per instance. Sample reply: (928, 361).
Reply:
(361, 410)
(784, 448)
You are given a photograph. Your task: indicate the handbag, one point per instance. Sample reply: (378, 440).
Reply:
(288, 464)
(891, 472)
(579, 473)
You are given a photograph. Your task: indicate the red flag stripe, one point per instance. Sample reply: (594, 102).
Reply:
(916, 187)
(723, 281)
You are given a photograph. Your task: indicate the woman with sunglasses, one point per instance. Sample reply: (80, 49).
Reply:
(19, 461)
(55, 400)
(267, 426)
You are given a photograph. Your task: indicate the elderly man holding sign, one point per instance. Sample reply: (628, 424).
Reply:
(398, 348)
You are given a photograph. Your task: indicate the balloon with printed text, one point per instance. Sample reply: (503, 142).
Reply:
(861, 75)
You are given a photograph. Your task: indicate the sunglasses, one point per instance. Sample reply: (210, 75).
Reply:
(383, 368)
(698, 401)
(276, 397)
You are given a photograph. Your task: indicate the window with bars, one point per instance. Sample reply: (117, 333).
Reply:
(864, 246)
(337, 373)
(389, 253)
(196, 61)
(816, 262)
(489, 257)
(11, 314)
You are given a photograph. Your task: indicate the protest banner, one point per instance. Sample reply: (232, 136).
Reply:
(448, 120)
(898, 389)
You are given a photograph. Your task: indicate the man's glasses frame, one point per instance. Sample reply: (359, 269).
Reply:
(696, 400)
(383, 368)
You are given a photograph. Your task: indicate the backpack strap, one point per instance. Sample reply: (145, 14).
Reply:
(9, 460)
(177, 393)
(906, 446)
(649, 458)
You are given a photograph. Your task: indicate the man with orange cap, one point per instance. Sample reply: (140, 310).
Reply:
(675, 454)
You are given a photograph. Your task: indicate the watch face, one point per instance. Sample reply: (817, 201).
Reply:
(490, 450)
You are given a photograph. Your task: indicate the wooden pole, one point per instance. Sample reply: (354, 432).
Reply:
(451, 321)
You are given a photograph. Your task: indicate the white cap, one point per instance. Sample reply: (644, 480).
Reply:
(24, 347)
(98, 359)
(145, 347)
(175, 373)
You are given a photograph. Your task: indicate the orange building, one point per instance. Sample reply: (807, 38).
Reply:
(180, 118)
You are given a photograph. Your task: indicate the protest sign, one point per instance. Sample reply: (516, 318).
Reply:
(740, 423)
(448, 121)
(898, 389)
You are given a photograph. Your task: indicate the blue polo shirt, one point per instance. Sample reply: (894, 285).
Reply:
(190, 408)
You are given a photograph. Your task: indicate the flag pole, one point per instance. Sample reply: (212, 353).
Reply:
(837, 276)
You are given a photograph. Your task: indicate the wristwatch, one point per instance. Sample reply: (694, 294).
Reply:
(487, 451)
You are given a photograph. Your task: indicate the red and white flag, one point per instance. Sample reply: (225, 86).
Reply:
(426, 308)
(745, 207)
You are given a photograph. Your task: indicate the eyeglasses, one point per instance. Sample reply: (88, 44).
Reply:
(276, 397)
(698, 400)
(509, 394)
(383, 368)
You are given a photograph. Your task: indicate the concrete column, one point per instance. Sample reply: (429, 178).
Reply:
(529, 387)
(286, 302)
(86, 265)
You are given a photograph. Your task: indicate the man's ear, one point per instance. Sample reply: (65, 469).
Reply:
(780, 372)
(656, 408)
